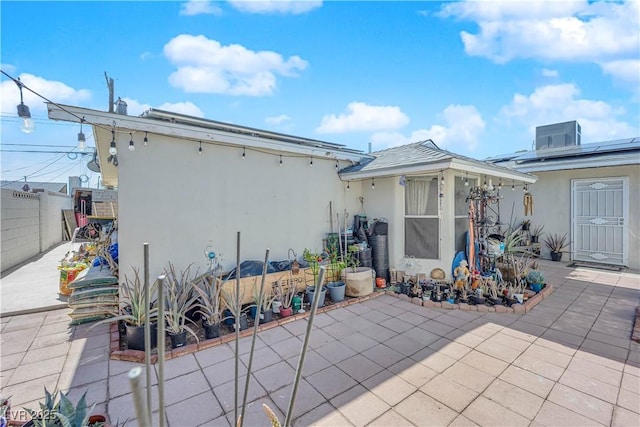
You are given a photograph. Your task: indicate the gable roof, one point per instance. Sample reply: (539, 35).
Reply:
(56, 187)
(598, 154)
(425, 157)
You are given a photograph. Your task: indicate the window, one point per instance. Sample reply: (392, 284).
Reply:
(422, 219)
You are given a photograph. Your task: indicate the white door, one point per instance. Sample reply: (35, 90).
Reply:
(600, 212)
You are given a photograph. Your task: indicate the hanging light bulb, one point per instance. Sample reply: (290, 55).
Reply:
(145, 140)
(243, 152)
(500, 184)
(311, 162)
(348, 186)
(27, 125)
(132, 147)
(373, 184)
(466, 182)
(513, 186)
(112, 146)
(280, 159)
(442, 177)
(81, 138)
(200, 148)
(337, 165)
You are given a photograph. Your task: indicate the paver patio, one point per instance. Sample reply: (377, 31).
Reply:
(569, 361)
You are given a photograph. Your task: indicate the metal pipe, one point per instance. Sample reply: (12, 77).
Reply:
(142, 413)
(305, 345)
(160, 348)
(256, 324)
(147, 326)
(237, 324)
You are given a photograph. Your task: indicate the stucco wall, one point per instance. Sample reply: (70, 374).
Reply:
(177, 200)
(31, 223)
(552, 203)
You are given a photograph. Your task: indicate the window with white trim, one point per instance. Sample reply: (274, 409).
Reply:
(422, 217)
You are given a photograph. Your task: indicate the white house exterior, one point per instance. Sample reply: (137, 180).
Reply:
(589, 191)
(197, 180)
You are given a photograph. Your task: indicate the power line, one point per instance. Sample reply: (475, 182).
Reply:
(44, 151)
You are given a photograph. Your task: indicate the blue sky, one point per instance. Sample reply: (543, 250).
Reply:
(476, 77)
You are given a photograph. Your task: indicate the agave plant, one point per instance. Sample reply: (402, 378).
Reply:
(61, 412)
(209, 302)
(229, 298)
(180, 298)
(285, 295)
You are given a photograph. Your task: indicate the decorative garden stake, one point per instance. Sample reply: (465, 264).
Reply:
(142, 413)
(160, 347)
(147, 326)
(237, 358)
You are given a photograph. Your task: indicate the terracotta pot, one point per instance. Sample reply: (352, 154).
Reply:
(286, 312)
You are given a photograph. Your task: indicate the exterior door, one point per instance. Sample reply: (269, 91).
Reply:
(600, 213)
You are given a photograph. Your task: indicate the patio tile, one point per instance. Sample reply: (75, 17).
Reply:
(339, 330)
(359, 367)
(605, 350)
(335, 351)
(582, 403)
(390, 418)
(589, 385)
(341, 315)
(31, 371)
(599, 359)
(549, 355)
(383, 355)
(378, 333)
(11, 361)
(414, 373)
(255, 415)
(520, 334)
(244, 345)
(375, 316)
(539, 366)
(629, 400)
(95, 393)
(509, 341)
(608, 339)
(462, 421)
(122, 408)
(307, 398)
(484, 363)
(450, 348)
(465, 338)
(179, 366)
(498, 351)
(323, 416)
(297, 328)
(468, 376)
(514, 398)
(224, 393)
(631, 383)
(313, 363)
(526, 380)
(433, 359)
(489, 413)
(330, 381)
(323, 320)
(565, 340)
(404, 344)
(217, 354)
(358, 323)
(262, 358)
(414, 318)
(594, 370)
(49, 340)
(274, 335)
(287, 348)
(195, 411)
(624, 418)
(452, 394)
(451, 320)
(359, 342)
(120, 384)
(17, 341)
(184, 387)
(437, 328)
(275, 376)
(423, 410)
(223, 372)
(553, 415)
(29, 391)
(319, 338)
(398, 325)
(389, 387)
(359, 405)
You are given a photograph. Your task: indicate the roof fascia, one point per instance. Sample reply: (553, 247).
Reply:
(580, 164)
(492, 170)
(193, 132)
(396, 171)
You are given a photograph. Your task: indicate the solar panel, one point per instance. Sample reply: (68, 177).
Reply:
(581, 150)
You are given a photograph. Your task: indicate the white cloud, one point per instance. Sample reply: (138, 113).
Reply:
(146, 55)
(135, 108)
(294, 7)
(199, 7)
(462, 124)
(278, 120)
(626, 70)
(364, 117)
(546, 72)
(54, 90)
(559, 103)
(555, 30)
(206, 66)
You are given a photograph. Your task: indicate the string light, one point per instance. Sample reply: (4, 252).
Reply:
(500, 184)
(27, 125)
(337, 165)
(466, 180)
(81, 138)
(442, 177)
(348, 186)
(243, 152)
(311, 162)
(513, 186)
(280, 159)
(200, 148)
(131, 146)
(373, 184)
(145, 140)
(112, 145)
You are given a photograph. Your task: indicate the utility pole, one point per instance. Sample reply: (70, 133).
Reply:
(110, 86)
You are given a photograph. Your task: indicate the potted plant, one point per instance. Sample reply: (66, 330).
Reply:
(268, 298)
(359, 281)
(525, 224)
(132, 311)
(536, 232)
(230, 300)
(63, 412)
(285, 296)
(535, 279)
(556, 243)
(179, 300)
(209, 304)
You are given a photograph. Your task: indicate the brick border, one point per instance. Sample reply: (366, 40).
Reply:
(138, 356)
(635, 335)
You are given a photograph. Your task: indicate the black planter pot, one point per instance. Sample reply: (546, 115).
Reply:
(556, 256)
(211, 331)
(178, 340)
(244, 324)
(404, 289)
(135, 336)
(480, 300)
(193, 314)
(496, 301)
(534, 239)
(266, 316)
(511, 301)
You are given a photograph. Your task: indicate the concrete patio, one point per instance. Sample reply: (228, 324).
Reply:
(383, 362)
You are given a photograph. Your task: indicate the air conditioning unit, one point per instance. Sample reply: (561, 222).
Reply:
(558, 135)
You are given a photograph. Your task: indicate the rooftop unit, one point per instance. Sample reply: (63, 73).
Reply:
(556, 135)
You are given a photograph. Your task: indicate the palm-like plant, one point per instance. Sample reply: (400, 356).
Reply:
(285, 295)
(209, 299)
(557, 243)
(179, 299)
(230, 300)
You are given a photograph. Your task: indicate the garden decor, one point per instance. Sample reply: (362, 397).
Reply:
(285, 296)
(336, 291)
(209, 304)
(179, 300)
(536, 232)
(535, 279)
(229, 299)
(556, 245)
